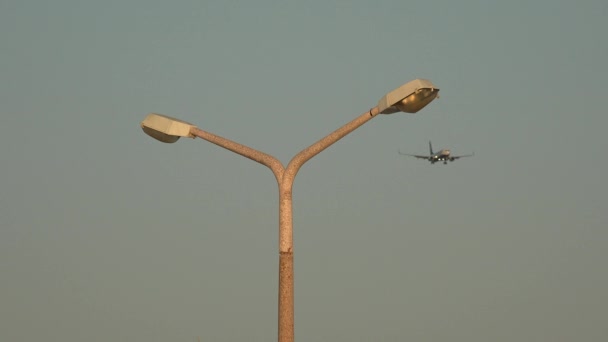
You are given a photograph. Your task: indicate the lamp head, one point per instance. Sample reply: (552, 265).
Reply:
(409, 98)
(165, 128)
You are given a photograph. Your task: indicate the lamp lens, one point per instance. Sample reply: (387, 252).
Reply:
(417, 100)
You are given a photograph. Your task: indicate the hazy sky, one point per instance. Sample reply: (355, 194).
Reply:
(108, 235)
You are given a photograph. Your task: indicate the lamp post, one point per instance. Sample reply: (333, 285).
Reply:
(410, 98)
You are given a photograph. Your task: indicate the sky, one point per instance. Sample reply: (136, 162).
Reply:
(109, 235)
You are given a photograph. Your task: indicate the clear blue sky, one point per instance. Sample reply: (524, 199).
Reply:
(108, 235)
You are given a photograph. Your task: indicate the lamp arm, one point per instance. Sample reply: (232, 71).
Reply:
(299, 159)
(265, 159)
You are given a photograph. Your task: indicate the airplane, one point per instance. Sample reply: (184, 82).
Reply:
(443, 155)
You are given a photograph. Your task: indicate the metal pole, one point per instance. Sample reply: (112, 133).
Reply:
(285, 178)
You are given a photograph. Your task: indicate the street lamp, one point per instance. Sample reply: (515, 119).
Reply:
(409, 98)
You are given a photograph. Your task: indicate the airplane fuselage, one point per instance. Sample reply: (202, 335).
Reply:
(443, 155)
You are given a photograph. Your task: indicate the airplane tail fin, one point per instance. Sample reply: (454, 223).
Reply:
(431, 147)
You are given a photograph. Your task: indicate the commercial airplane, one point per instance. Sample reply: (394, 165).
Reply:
(443, 155)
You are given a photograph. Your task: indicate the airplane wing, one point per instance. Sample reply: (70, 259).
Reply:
(466, 155)
(413, 155)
